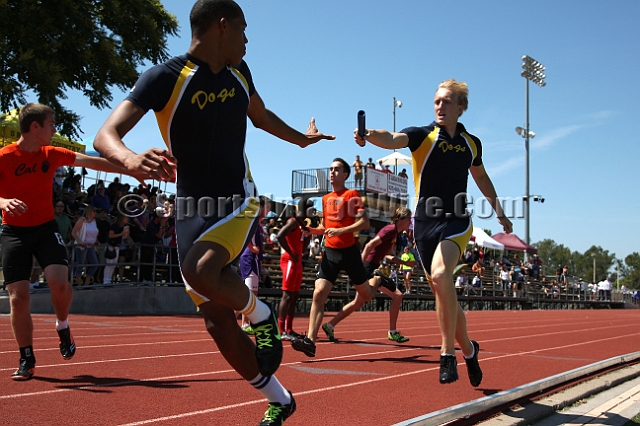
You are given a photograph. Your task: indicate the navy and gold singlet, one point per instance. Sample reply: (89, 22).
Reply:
(441, 169)
(203, 120)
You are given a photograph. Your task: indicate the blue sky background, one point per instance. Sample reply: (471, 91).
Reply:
(331, 59)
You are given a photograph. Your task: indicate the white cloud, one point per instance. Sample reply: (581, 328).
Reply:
(505, 166)
(550, 138)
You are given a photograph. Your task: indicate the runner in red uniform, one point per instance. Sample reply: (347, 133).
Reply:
(293, 239)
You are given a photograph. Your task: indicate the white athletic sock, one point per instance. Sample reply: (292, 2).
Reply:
(271, 389)
(472, 353)
(392, 331)
(256, 310)
(330, 325)
(61, 325)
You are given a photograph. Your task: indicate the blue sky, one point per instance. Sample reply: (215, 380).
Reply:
(331, 59)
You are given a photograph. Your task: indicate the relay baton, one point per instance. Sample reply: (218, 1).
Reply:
(361, 126)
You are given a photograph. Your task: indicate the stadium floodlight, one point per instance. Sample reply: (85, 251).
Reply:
(396, 103)
(532, 70)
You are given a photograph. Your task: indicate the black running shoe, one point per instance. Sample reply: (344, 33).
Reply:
(448, 369)
(277, 413)
(295, 335)
(386, 282)
(67, 344)
(268, 345)
(25, 370)
(304, 345)
(473, 367)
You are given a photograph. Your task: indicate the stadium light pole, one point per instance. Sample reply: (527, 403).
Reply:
(396, 103)
(594, 267)
(532, 70)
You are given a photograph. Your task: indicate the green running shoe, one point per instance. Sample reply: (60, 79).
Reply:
(277, 413)
(397, 337)
(329, 332)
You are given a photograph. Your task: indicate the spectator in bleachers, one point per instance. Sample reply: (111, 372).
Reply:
(174, 273)
(357, 171)
(403, 174)
(462, 284)
(114, 187)
(100, 199)
(559, 273)
(370, 164)
(468, 258)
(604, 289)
(504, 279)
(85, 235)
(150, 237)
(315, 252)
(117, 231)
(478, 269)
(104, 225)
(407, 269)
(536, 263)
(63, 221)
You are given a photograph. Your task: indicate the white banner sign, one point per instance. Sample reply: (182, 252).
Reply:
(397, 186)
(376, 181)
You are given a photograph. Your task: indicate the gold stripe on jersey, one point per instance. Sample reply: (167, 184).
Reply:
(472, 145)
(165, 116)
(462, 239)
(241, 79)
(232, 232)
(420, 158)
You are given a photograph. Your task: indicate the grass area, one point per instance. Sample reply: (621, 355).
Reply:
(634, 421)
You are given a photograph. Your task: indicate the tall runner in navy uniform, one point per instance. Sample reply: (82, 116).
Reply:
(443, 154)
(201, 100)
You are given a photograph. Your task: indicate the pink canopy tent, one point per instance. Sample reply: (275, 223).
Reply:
(512, 242)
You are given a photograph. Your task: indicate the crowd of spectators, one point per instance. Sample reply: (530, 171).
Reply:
(103, 234)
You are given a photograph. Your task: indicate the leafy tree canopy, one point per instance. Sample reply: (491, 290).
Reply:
(49, 47)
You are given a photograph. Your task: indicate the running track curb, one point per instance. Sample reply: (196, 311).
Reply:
(501, 398)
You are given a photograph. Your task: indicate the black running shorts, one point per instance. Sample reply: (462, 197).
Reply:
(429, 233)
(347, 259)
(21, 243)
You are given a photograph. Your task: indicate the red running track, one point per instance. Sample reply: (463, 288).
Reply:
(167, 371)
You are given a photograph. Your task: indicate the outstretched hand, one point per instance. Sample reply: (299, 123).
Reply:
(155, 163)
(506, 224)
(313, 135)
(13, 207)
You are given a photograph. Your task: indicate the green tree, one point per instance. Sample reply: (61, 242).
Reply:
(49, 47)
(630, 271)
(552, 255)
(603, 260)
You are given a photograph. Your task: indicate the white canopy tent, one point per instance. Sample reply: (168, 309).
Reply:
(394, 159)
(482, 239)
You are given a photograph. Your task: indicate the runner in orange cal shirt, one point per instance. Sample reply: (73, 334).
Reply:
(342, 214)
(29, 229)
